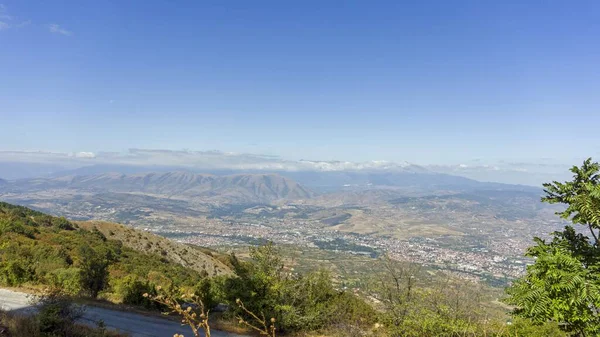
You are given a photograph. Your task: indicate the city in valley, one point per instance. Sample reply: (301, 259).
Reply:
(477, 233)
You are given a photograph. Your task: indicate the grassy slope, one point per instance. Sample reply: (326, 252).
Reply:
(38, 249)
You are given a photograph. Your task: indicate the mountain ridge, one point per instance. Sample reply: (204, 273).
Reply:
(265, 187)
(149, 243)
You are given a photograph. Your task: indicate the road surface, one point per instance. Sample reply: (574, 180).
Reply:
(136, 325)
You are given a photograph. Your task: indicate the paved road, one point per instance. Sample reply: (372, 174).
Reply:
(135, 325)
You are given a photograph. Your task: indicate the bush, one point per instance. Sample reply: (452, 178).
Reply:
(57, 314)
(131, 290)
(67, 279)
(205, 290)
(15, 226)
(14, 273)
(62, 223)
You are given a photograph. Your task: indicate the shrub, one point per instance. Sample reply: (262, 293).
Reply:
(62, 223)
(205, 290)
(57, 314)
(14, 272)
(67, 279)
(15, 226)
(131, 290)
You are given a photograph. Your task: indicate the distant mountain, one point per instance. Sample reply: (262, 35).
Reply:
(258, 185)
(235, 188)
(3, 182)
(419, 180)
(36, 164)
(115, 168)
(16, 170)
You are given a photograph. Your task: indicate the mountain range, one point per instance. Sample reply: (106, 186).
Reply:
(33, 164)
(232, 187)
(183, 185)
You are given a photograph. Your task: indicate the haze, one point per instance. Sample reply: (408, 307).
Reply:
(508, 91)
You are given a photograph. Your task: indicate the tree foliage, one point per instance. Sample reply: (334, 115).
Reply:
(563, 285)
(581, 196)
(93, 270)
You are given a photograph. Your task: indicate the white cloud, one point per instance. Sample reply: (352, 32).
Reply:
(57, 29)
(4, 13)
(4, 18)
(84, 155)
(7, 22)
(206, 160)
(505, 172)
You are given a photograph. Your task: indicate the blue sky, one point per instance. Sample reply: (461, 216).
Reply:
(426, 82)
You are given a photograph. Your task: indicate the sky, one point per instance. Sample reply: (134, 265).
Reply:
(429, 82)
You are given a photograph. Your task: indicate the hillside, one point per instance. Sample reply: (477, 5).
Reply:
(184, 185)
(148, 243)
(38, 249)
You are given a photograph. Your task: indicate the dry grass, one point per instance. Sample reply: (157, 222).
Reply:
(392, 222)
(12, 325)
(150, 243)
(232, 325)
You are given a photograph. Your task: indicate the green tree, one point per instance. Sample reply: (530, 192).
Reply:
(260, 282)
(563, 285)
(93, 270)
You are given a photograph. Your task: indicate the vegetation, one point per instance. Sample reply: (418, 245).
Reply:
(38, 249)
(563, 285)
(297, 302)
(267, 297)
(447, 308)
(262, 293)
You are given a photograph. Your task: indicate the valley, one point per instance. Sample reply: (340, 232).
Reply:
(476, 230)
